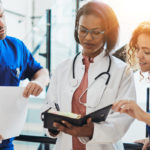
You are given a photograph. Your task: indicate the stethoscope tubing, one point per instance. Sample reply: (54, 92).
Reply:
(107, 72)
(101, 74)
(73, 65)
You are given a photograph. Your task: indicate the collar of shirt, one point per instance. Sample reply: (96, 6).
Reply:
(87, 59)
(93, 60)
(99, 57)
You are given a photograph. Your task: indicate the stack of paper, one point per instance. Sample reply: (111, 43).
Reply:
(13, 110)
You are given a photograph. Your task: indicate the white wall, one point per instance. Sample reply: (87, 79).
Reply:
(21, 26)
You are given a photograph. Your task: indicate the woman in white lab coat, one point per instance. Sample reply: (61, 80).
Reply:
(96, 30)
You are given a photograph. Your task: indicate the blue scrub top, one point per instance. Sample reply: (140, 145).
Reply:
(16, 63)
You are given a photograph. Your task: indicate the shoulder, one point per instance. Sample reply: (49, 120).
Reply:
(121, 67)
(16, 45)
(13, 40)
(118, 63)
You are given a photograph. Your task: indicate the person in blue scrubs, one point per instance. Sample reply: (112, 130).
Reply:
(17, 63)
(138, 55)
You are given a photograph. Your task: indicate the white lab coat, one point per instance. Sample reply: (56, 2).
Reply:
(121, 86)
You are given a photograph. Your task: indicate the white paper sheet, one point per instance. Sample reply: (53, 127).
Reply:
(13, 110)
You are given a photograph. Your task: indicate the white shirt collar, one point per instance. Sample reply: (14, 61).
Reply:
(96, 59)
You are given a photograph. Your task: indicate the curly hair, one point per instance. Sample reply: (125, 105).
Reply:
(143, 27)
(110, 22)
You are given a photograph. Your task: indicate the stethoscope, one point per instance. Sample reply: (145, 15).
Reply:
(75, 81)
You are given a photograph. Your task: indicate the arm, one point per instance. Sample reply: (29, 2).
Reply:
(39, 80)
(41, 76)
(32, 70)
(146, 118)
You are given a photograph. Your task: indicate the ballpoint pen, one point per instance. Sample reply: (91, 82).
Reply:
(57, 107)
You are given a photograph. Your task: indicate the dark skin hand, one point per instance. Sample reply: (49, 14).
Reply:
(83, 131)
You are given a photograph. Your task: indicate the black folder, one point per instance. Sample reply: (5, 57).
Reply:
(97, 116)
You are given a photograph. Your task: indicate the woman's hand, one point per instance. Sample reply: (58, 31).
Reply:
(146, 143)
(130, 108)
(83, 131)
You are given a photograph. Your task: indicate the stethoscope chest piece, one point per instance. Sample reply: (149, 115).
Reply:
(74, 82)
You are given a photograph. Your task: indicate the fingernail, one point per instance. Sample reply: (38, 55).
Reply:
(54, 124)
(63, 121)
(24, 95)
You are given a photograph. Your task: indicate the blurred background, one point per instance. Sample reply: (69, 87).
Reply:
(48, 26)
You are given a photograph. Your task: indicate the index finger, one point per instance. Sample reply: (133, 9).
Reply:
(117, 106)
(25, 92)
(67, 124)
(61, 127)
(89, 120)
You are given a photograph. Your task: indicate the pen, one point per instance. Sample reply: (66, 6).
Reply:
(57, 107)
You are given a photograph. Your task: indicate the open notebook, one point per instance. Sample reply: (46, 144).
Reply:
(50, 116)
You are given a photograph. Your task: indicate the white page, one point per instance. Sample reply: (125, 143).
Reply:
(13, 110)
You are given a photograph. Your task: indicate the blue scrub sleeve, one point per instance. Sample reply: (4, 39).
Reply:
(7, 144)
(31, 66)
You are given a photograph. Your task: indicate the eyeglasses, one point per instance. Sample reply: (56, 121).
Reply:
(95, 33)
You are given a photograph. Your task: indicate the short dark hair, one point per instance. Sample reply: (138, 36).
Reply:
(105, 12)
